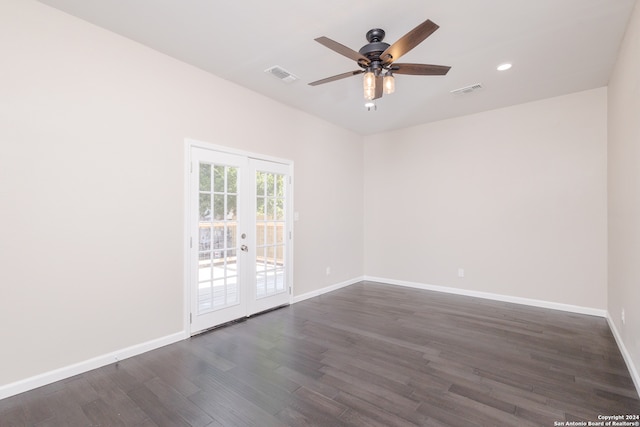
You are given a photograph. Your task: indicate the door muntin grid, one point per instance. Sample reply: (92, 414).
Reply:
(270, 234)
(218, 284)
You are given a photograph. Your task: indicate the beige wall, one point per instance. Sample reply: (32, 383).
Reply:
(624, 190)
(92, 130)
(516, 197)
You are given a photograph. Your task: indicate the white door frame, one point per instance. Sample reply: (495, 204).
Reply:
(192, 143)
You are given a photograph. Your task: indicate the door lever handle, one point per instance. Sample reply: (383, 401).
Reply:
(244, 248)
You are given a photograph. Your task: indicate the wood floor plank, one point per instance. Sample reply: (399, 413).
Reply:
(113, 403)
(379, 392)
(370, 373)
(153, 407)
(229, 409)
(308, 382)
(481, 396)
(25, 409)
(377, 410)
(66, 407)
(99, 412)
(177, 403)
(293, 418)
(366, 355)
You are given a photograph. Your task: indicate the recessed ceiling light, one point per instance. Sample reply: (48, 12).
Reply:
(504, 67)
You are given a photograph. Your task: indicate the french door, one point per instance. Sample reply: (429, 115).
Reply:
(240, 240)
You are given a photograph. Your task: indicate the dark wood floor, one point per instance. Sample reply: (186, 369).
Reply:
(365, 355)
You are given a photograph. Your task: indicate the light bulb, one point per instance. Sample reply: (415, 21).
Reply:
(369, 93)
(369, 85)
(389, 83)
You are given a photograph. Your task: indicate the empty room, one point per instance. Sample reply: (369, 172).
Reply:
(319, 213)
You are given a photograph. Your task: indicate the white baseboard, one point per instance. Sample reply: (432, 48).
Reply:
(40, 380)
(625, 353)
(633, 371)
(324, 290)
(497, 297)
(106, 359)
(78, 368)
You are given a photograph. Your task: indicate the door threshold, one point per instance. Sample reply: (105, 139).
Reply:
(239, 320)
(269, 310)
(222, 325)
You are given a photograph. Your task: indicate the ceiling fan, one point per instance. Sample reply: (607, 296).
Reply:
(376, 60)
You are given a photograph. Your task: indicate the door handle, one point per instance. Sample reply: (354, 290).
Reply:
(244, 248)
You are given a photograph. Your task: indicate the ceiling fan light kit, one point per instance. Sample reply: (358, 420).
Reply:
(376, 60)
(369, 85)
(389, 83)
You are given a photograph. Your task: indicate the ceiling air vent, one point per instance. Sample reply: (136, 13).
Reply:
(281, 74)
(467, 89)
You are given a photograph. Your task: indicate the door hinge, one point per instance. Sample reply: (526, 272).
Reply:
(289, 290)
(190, 317)
(290, 180)
(191, 167)
(290, 235)
(190, 242)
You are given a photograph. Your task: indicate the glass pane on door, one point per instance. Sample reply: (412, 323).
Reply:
(217, 246)
(270, 234)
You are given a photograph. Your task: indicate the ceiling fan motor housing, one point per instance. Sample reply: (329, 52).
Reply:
(376, 46)
(375, 35)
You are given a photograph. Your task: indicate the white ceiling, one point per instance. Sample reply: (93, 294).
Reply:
(556, 47)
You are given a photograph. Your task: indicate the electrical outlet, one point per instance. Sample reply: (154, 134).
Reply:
(328, 271)
(622, 316)
(461, 272)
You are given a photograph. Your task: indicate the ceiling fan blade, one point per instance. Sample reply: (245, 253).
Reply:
(338, 77)
(410, 40)
(420, 69)
(379, 87)
(343, 50)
